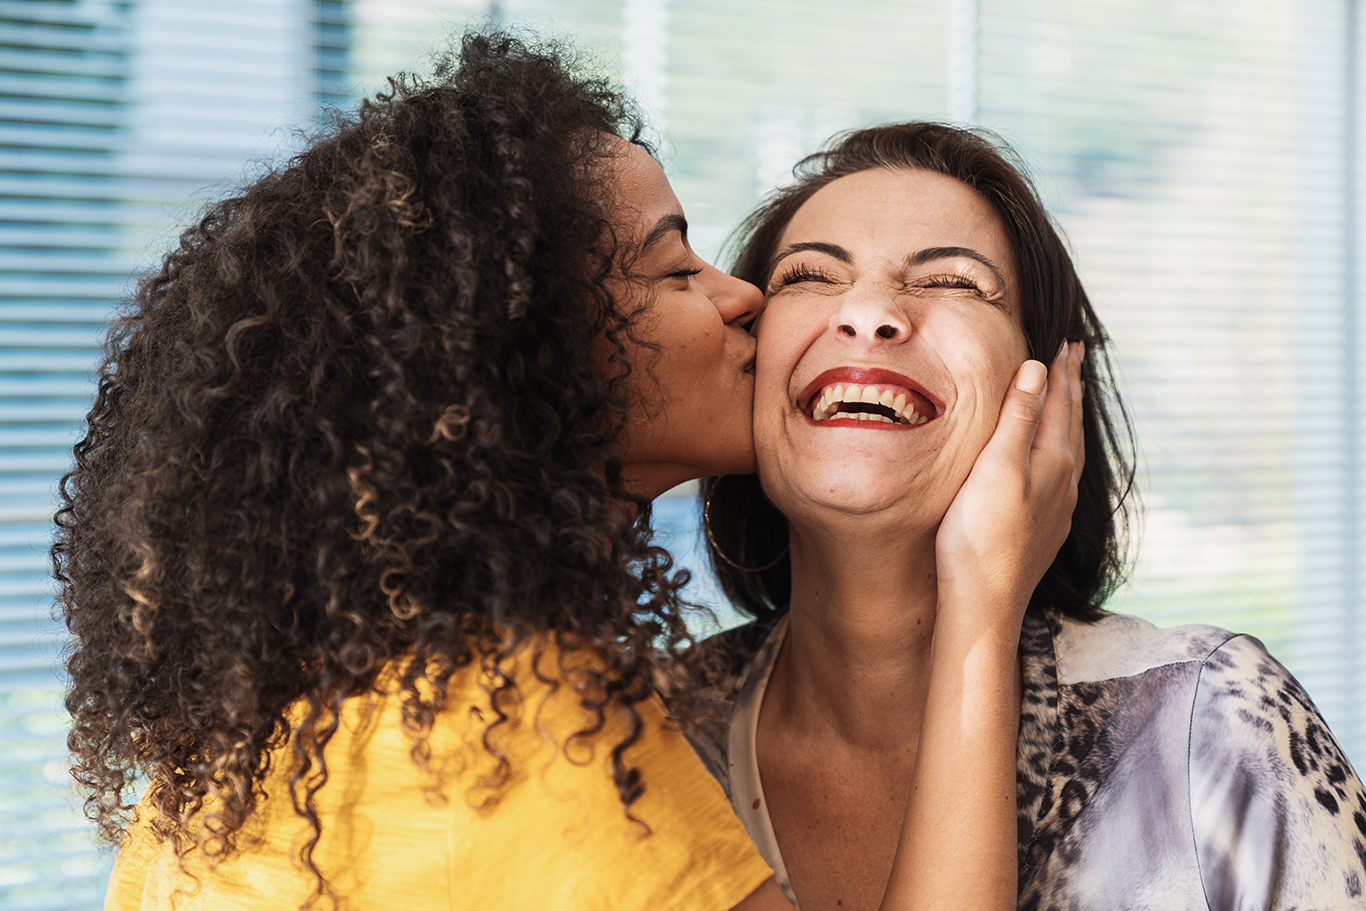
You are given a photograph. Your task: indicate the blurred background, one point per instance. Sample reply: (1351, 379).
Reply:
(1203, 157)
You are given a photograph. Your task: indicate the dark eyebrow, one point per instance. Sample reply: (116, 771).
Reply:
(834, 250)
(663, 228)
(929, 254)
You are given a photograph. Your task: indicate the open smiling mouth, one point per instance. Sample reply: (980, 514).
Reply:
(881, 403)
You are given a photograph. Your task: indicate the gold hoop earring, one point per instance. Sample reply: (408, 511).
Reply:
(716, 548)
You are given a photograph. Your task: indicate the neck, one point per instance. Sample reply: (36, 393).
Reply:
(857, 661)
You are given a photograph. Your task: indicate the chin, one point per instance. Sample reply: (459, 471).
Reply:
(738, 458)
(840, 489)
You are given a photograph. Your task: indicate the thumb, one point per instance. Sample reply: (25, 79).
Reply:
(1020, 413)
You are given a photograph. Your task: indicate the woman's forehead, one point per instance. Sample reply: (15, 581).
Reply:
(884, 200)
(898, 212)
(642, 195)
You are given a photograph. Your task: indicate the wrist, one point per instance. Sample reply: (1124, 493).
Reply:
(981, 608)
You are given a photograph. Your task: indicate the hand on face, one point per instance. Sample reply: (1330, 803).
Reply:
(1015, 510)
(891, 334)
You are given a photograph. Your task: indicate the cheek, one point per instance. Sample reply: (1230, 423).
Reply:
(776, 355)
(1013, 356)
(994, 354)
(691, 356)
(770, 403)
(773, 362)
(999, 373)
(784, 333)
(990, 357)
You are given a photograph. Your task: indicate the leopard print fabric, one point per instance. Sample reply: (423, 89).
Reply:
(1155, 769)
(1038, 725)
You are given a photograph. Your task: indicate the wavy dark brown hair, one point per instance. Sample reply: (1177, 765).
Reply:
(351, 424)
(1054, 307)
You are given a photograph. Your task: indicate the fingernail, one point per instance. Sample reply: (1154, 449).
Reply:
(1031, 377)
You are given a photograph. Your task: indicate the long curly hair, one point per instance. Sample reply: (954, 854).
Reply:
(352, 423)
(745, 527)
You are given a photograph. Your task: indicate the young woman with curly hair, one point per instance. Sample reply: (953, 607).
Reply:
(355, 553)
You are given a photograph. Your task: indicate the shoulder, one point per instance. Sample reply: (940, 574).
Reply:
(733, 652)
(731, 659)
(736, 659)
(1250, 710)
(557, 831)
(1199, 739)
(1120, 645)
(1271, 788)
(1241, 699)
(132, 865)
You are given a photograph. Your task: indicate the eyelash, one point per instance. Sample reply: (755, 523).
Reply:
(945, 280)
(801, 273)
(685, 273)
(806, 273)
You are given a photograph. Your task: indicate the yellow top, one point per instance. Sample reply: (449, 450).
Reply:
(394, 836)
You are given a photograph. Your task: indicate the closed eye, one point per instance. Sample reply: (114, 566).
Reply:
(948, 280)
(798, 273)
(684, 273)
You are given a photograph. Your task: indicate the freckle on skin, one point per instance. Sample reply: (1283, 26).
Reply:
(756, 803)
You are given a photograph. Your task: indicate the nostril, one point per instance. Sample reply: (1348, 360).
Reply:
(885, 331)
(848, 330)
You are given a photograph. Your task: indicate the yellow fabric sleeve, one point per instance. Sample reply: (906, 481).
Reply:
(556, 834)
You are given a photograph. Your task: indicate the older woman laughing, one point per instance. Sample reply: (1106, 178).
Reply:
(908, 274)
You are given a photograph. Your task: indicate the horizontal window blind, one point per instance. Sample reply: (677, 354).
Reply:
(63, 72)
(1197, 157)
(116, 120)
(1202, 157)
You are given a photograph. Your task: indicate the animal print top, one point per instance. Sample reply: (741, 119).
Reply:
(1156, 769)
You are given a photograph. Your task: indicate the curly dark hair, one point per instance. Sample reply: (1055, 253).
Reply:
(353, 422)
(1054, 307)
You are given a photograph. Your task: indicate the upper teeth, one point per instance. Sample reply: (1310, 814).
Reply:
(827, 404)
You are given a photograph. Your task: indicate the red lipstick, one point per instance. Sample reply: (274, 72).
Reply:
(921, 402)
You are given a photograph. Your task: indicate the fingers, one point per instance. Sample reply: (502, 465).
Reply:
(1014, 510)
(1056, 424)
(1074, 384)
(1020, 413)
(1042, 416)
(1031, 377)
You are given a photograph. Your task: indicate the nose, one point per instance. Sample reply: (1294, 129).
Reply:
(871, 317)
(736, 300)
